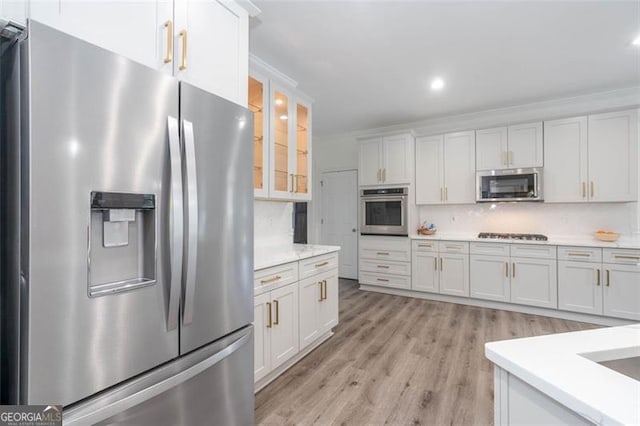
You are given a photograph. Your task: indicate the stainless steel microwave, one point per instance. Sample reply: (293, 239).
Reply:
(509, 185)
(383, 211)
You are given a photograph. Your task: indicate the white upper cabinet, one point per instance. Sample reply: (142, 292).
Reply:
(203, 42)
(491, 148)
(512, 147)
(14, 10)
(445, 169)
(565, 160)
(613, 156)
(386, 160)
(212, 45)
(592, 158)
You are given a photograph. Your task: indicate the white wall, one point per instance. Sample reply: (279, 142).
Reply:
(273, 223)
(341, 153)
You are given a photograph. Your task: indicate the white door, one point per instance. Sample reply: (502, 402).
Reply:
(135, 30)
(261, 336)
(459, 168)
(525, 145)
(217, 43)
(489, 277)
(424, 271)
(284, 332)
(534, 282)
(429, 170)
(491, 148)
(371, 162)
(328, 308)
(580, 287)
(340, 218)
(565, 160)
(613, 156)
(397, 159)
(622, 291)
(454, 274)
(311, 292)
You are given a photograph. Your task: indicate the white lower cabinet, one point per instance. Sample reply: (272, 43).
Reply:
(318, 306)
(490, 278)
(534, 282)
(621, 290)
(441, 268)
(385, 262)
(292, 310)
(424, 271)
(454, 274)
(580, 287)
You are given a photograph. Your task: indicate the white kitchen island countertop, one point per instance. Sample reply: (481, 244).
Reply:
(557, 366)
(268, 256)
(627, 242)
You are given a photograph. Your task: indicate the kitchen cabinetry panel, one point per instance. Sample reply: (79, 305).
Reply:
(397, 156)
(429, 170)
(489, 277)
(328, 308)
(385, 280)
(284, 332)
(580, 287)
(613, 156)
(622, 291)
(565, 160)
(459, 168)
(424, 275)
(534, 282)
(525, 145)
(262, 339)
(454, 274)
(580, 254)
(311, 292)
(259, 104)
(491, 148)
(370, 161)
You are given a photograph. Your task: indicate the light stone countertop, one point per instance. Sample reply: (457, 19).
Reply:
(561, 366)
(266, 257)
(628, 242)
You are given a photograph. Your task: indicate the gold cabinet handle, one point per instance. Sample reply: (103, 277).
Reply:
(593, 189)
(598, 277)
(504, 158)
(577, 253)
(169, 56)
(441, 194)
(383, 266)
(295, 183)
(321, 299)
(425, 245)
(608, 278)
(382, 280)
(183, 62)
(513, 270)
(584, 189)
(453, 247)
(384, 175)
(291, 176)
(383, 253)
(506, 269)
(435, 263)
(320, 265)
(277, 321)
(324, 282)
(510, 158)
(446, 193)
(619, 256)
(270, 280)
(441, 264)
(269, 323)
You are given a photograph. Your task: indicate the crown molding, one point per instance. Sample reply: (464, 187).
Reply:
(257, 64)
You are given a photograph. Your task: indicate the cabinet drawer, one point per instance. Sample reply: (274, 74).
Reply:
(453, 247)
(580, 254)
(625, 256)
(318, 264)
(493, 249)
(533, 251)
(425, 245)
(395, 281)
(276, 275)
(396, 268)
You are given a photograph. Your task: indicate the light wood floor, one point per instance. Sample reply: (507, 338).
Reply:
(397, 360)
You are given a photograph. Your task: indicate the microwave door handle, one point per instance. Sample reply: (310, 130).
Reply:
(176, 223)
(192, 222)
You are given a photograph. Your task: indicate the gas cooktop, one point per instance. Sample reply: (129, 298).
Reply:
(506, 236)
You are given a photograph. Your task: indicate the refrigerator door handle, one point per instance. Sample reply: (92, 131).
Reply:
(192, 221)
(176, 224)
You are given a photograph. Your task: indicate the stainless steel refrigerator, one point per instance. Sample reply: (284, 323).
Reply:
(126, 211)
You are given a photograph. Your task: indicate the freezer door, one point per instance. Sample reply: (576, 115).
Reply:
(218, 181)
(98, 128)
(210, 386)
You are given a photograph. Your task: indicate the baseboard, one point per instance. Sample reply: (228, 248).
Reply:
(572, 316)
(284, 367)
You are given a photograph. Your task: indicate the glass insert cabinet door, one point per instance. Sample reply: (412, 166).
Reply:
(258, 101)
(280, 121)
(302, 156)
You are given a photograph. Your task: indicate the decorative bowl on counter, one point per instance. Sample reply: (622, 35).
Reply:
(607, 236)
(425, 231)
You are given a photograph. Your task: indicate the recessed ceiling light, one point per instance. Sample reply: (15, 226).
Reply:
(283, 117)
(437, 84)
(636, 41)
(279, 101)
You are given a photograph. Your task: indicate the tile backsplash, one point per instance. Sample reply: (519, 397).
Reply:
(551, 219)
(273, 223)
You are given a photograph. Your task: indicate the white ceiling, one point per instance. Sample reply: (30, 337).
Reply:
(369, 63)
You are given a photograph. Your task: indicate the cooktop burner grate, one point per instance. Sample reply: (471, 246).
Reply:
(506, 236)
